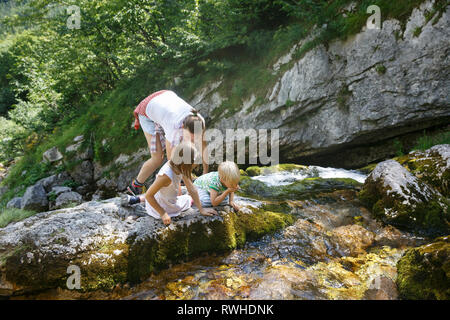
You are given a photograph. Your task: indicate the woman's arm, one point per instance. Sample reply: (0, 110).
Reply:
(194, 194)
(160, 182)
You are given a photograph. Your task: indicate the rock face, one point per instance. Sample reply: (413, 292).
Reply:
(35, 198)
(113, 244)
(424, 272)
(399, 198)
(335, 107)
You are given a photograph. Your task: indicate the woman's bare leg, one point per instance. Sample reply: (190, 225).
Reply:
(154, 162)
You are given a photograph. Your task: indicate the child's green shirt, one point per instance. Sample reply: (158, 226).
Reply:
(210, 181)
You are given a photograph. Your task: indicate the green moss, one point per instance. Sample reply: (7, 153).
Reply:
(381, 69)
(298, 190)
(429, 167)
(368, 169)
(257, 171)
(253, 171)
(98, 273)
(424, 272)
(417, 32)
(173, 246)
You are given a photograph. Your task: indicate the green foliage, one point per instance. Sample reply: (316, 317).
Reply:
(398, 146)
(13, 215)
(425, 142)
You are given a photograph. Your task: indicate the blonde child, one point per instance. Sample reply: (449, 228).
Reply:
(162, 200)
(218, 188)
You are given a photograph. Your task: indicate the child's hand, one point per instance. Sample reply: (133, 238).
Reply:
(208, 211)
(235, 206)
(166, 219)
(231, 190)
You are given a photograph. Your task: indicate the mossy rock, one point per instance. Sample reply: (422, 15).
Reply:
(110, 249)
(424, 272)
(397, 197)
(431, 166)
(298, 190)
(253, 171)
(188, 240)
(257, 171)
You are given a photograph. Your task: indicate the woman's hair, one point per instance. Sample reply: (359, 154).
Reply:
(184, 158)
(191, 121)
(229, 172)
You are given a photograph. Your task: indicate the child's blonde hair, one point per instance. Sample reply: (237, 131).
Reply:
(184, 158)
(229, 172)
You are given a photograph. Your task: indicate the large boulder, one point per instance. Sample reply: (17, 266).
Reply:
(424, 272)
(112, 244)
(399, 198)
(83, 173)
(67, 199)
(15, 202)
(55, 180)
(56, 191)
(35, 198)
(107, 188)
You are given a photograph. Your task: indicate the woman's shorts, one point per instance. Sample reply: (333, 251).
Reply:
(150, 127)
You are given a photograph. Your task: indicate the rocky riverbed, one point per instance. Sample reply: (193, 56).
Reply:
(304, 233)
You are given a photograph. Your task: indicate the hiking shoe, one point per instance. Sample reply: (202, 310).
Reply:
(127, 200)
(134, 189)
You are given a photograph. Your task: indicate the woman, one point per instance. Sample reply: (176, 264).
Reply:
(166, 120)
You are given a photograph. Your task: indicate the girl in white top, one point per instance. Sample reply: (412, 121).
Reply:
(162, 200)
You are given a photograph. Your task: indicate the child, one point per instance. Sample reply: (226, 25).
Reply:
(161, 199)
(216, 188)
(166, 120)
